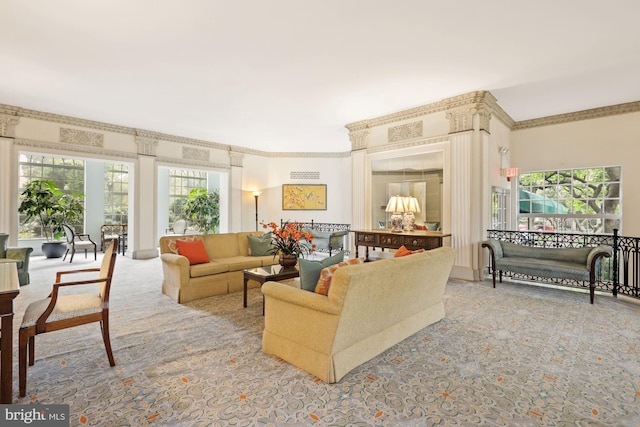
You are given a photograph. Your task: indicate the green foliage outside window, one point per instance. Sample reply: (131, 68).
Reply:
(571, 200)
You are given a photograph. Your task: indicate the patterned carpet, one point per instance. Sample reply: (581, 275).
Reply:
(515, 356)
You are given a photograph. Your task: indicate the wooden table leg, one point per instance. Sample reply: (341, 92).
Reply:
(6, 359)
(246, 280)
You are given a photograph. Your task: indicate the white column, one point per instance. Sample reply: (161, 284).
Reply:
(461, 204)
(8, 179)
(235, 193)
(143, 242)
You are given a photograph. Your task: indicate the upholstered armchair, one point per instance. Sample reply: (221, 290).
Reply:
(20, 255)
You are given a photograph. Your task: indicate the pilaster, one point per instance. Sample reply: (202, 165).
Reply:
(235, 192)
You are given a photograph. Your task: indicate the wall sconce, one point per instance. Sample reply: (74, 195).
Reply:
(508, 172)
(397, 208)
(256, 194)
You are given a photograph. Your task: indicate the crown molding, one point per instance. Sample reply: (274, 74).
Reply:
(14, 111)
(479, 99)
(189, 162)
(594, 113)
(408, 144)
(73, 148)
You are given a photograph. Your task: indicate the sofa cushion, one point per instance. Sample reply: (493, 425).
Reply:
(223, 245)
(324, 282)
(260, 245)
(208, 269)
(570, 255)
(238, 263)
(310, 270)
(403, 251)
(194, 251)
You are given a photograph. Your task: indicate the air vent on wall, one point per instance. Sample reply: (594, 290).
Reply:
(304, 175)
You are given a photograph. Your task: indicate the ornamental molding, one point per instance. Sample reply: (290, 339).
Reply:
(192, 163)
(147, 146)
(461, 120)
(476, 99)
(405, 131)
(69, 148)
(408, 144)
(594, 113)
(8, 125)
(191, 153)
(81, 137)
(358, 139)
(236, 159)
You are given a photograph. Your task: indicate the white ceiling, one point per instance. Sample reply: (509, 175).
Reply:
(287, 75)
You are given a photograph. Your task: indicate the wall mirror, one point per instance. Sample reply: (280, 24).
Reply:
(418, 176)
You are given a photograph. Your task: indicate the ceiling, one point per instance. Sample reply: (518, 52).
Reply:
(288, 75)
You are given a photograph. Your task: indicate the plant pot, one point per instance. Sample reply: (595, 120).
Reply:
(54, 249)
(288, 261)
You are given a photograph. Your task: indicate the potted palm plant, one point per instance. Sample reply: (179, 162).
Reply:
(43, 202)
(202, 208)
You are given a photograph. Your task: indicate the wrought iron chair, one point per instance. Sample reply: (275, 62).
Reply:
(78, 241)
(60, 311)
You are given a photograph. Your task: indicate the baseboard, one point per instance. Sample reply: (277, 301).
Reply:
(145, 254)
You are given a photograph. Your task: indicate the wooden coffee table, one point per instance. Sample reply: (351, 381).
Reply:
(268, 273)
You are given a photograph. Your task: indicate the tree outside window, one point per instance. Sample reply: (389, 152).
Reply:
(571, 200)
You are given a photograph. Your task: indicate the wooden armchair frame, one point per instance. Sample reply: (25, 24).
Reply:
(99, 312)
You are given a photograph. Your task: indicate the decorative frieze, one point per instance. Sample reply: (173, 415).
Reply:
(304, 175)
(81, 137)
(191, 153)
(406, 131)
(358, 139)
(147, 146)
(8, 126)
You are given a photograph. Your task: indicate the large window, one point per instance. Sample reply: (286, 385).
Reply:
(181, 182)
(116, 193)
(571, 200)
(67, 173)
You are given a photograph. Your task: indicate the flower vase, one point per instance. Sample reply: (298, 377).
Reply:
(287, 260)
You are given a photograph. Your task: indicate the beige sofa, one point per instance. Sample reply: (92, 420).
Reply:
(228, 254)
(370, 307)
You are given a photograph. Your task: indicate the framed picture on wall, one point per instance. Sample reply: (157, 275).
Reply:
(304, 197)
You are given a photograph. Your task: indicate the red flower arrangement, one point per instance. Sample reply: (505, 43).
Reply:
(290, 239)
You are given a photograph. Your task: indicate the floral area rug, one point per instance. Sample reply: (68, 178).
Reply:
(517, 355)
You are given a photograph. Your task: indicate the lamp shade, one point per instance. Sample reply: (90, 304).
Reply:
(412, 205)
(396, 204)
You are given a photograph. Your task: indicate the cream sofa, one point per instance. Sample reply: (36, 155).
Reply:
(228, 254)
(370, 307)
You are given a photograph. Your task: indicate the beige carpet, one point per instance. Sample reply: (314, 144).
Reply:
(514, 356)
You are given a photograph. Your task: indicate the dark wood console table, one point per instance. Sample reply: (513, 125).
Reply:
(385, 239)
(9, 289)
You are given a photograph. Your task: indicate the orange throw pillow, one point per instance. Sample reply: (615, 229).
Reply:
(193, 250)
(324, 282)
(403, 251)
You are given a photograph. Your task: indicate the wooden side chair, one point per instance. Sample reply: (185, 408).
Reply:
(78, 242)
(60, 311)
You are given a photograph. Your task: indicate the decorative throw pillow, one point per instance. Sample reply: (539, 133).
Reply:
(173, 247)
(324, 282)
(403, 251)
(193, 250)
(310, 270)
(260, 245)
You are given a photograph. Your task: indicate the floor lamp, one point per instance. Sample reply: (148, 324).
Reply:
(256, 194)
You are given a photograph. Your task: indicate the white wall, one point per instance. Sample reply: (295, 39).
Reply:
(606, 141)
